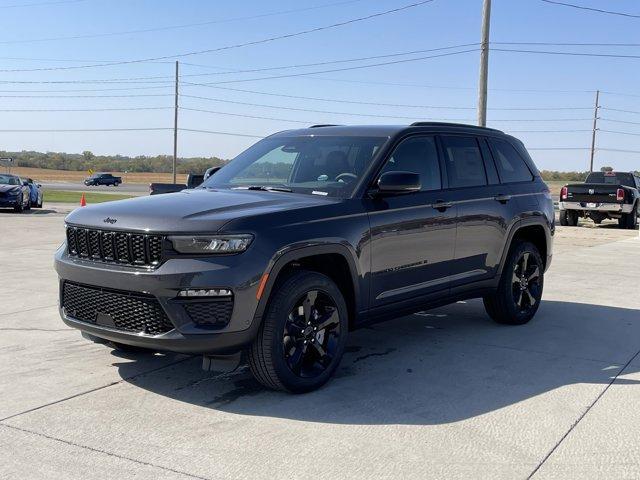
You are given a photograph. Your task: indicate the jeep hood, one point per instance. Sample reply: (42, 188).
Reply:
(6, 188)
(189, 211)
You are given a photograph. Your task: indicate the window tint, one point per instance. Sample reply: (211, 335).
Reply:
(511, 166)
(465, 167)
(417, 155)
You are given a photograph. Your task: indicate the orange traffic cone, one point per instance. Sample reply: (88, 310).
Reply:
(83, 201)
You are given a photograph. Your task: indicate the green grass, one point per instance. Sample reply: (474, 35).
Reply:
(64, 196)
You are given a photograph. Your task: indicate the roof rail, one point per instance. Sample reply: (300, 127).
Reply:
(320, 125)
(449, 124)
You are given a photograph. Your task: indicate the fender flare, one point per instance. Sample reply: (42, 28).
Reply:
(290, 254)
(517, 226)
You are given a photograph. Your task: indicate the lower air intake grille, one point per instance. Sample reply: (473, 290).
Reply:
(127, 311)
(212, 314)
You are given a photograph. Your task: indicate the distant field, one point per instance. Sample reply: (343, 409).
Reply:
(46, 175)
(63, 196)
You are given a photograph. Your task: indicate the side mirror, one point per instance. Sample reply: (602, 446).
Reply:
(39, 185)
(399, 182)
(25, 183)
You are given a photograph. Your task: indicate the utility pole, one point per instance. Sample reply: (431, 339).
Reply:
(595, 129)
(484, 64)
(175, 127)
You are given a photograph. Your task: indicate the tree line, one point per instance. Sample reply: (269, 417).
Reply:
(109, 163)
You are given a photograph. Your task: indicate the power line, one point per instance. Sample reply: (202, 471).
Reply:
(85, 89)
(548, 131)
(344, 69)
(44, 110)
(380, 104)
(597, 10)
(220, 133)
(91, 96)
(42, 4)
(620, 110)
(67, 130)
(175, 27)
(621, 133)
(569, 44)
(619, 121)
(233, 46)
(306, 122)
(572, 54)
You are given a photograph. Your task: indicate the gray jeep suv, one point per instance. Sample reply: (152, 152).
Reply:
(307, 235)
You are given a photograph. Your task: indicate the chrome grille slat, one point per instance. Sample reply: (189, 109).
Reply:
(137, 249)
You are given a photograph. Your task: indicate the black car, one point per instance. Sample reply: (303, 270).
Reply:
(307, 235)
(102, 179)
(603, 195)
(14, 193)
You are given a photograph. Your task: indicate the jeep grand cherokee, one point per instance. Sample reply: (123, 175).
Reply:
(307, 235)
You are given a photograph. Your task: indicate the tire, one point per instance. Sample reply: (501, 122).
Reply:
(568, 218)
(28, 207)
(19, 208)
(629, 220)
(519, 292)
(286, 354)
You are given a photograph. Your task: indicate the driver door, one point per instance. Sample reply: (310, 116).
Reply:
(412, 234)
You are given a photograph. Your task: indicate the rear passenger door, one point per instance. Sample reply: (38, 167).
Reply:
(484, 207)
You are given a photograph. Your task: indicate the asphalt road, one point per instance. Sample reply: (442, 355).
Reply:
(130, 188)
(442, 394)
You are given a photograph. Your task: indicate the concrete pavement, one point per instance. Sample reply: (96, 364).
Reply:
(441, 394)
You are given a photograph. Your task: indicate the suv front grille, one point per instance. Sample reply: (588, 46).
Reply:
(127, 311)
(119, 247)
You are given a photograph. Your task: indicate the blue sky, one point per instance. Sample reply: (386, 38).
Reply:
(450, 82)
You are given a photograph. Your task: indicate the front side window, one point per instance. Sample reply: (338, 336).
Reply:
(9, 180)
(319, 165)
(417, 155)
(465, 167)
(511, 167)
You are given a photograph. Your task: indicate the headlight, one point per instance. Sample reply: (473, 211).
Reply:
(211, 243)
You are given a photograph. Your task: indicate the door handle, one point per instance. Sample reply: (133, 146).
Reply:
(441, 205)
(502, 198)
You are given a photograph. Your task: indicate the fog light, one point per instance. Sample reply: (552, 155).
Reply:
(205, 292)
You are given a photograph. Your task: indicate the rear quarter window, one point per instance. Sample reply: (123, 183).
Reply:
(511, 166)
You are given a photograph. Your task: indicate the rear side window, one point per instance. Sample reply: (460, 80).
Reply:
(511, 166)
(418, 155)
(465, 167)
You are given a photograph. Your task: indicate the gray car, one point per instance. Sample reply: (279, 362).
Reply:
(307, 235)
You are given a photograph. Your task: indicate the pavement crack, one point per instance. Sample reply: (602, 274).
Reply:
(36, 329)
(28, 310)
(104, 452)
(579, 419)
(91, 390)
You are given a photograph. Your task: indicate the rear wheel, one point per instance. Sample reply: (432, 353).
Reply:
(568, 218)
(519, 292)
(629, 220)
(303, 334)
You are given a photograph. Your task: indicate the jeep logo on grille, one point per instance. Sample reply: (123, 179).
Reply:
(591, 191)
(110, 221)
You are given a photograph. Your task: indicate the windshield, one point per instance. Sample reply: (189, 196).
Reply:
(612, 178)
(329, 166)
(9, 180)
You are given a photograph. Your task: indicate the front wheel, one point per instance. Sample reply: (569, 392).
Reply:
(303, 334)
(519, 292)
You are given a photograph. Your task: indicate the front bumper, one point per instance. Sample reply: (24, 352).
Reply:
(599, 207)
(10, 202)
(239, 274)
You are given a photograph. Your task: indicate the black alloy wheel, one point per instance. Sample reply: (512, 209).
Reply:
(311, 334)
(303, 333)
(519, 292)
(525, 282)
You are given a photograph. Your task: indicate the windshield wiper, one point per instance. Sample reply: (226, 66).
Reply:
(263, 188)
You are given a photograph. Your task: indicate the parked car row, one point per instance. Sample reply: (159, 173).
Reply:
(20, 194)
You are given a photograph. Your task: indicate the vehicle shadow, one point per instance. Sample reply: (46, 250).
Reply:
(436, 367)
(33, 211)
